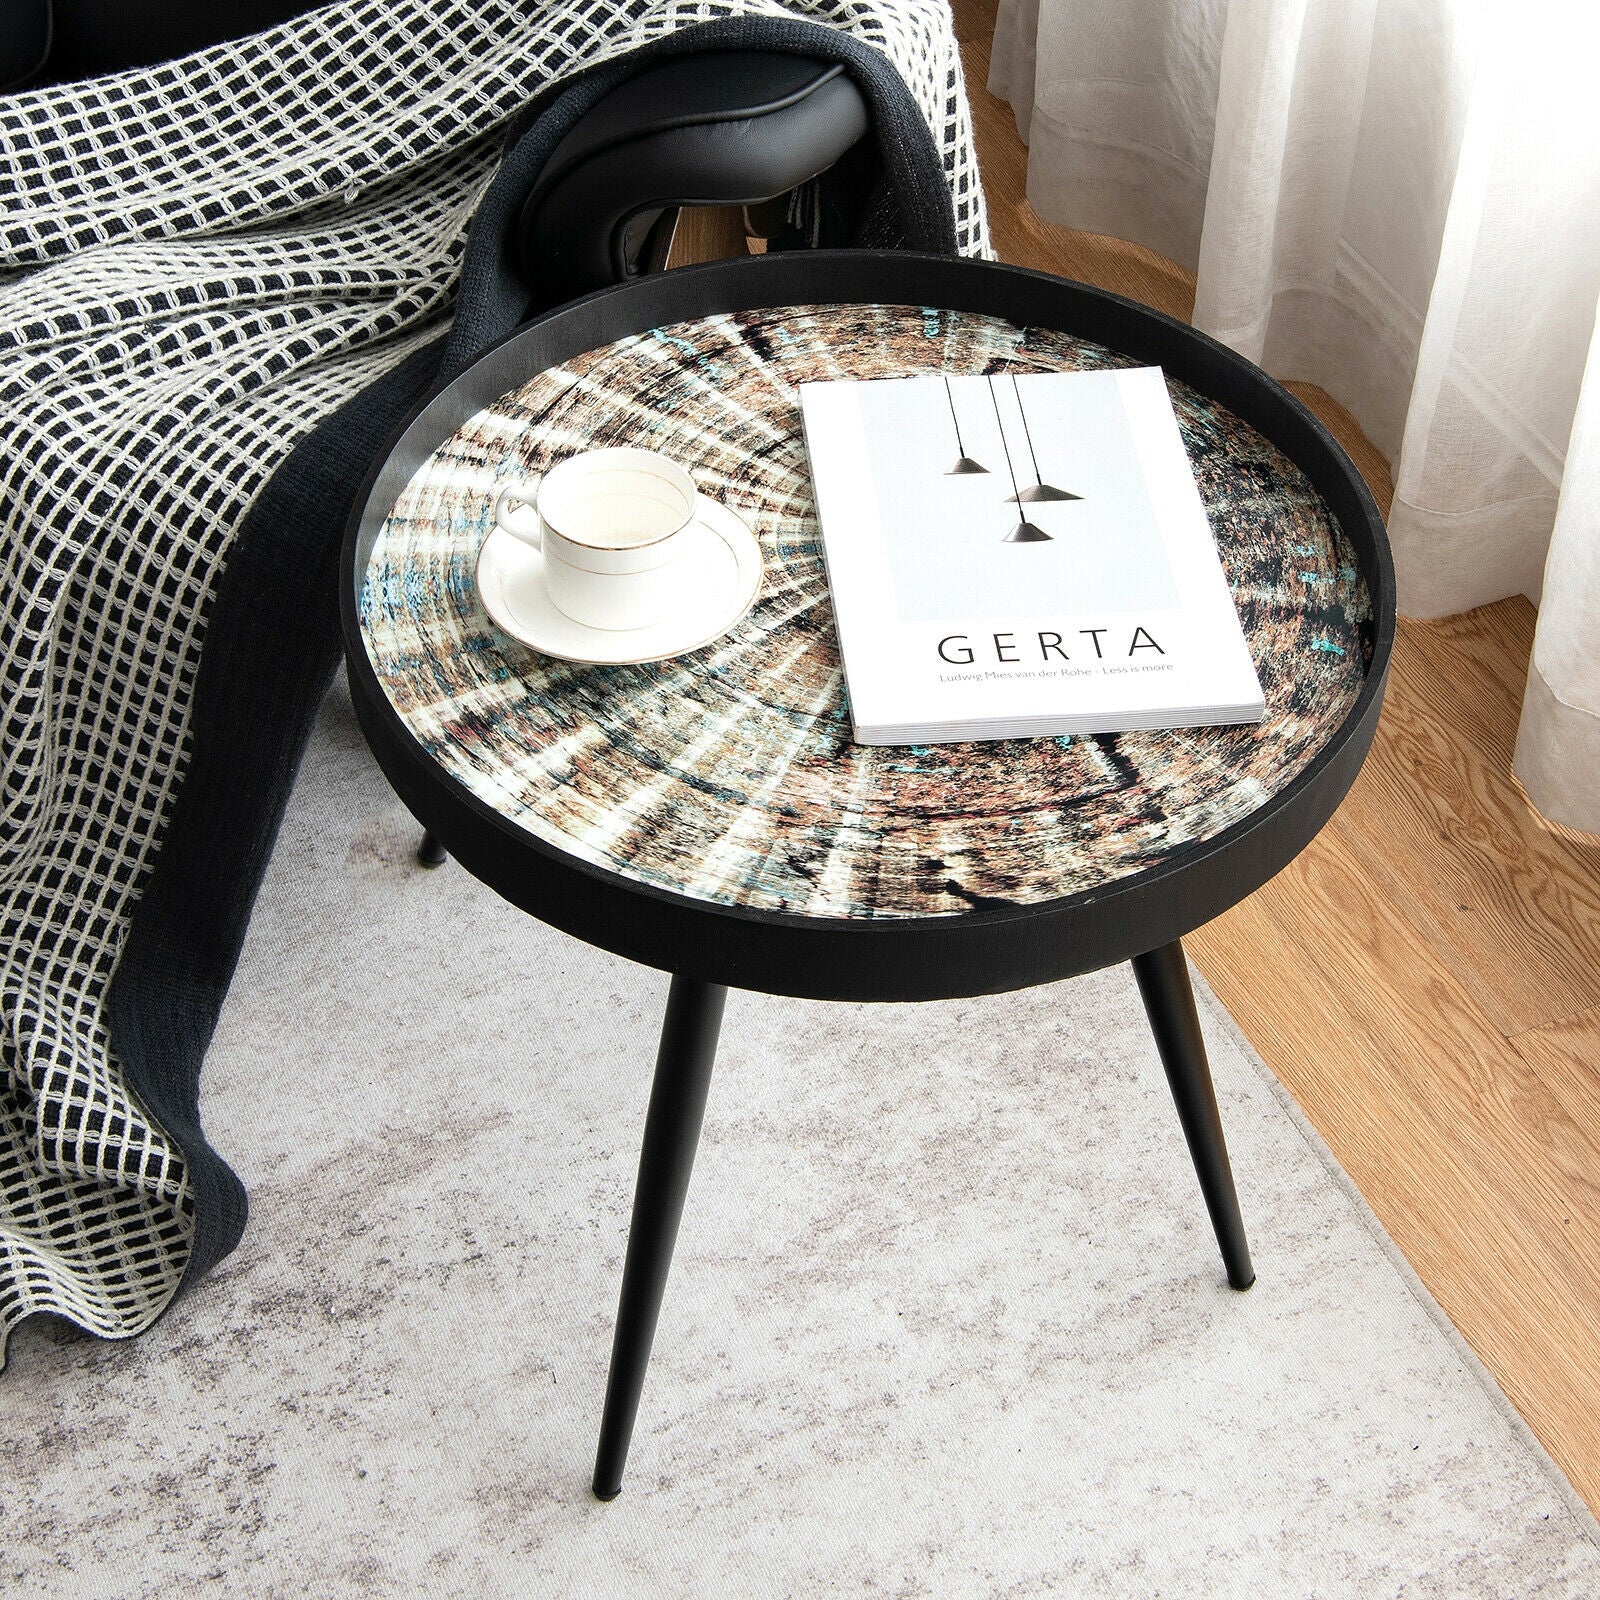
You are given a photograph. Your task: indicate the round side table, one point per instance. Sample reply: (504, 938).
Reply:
(710, 815)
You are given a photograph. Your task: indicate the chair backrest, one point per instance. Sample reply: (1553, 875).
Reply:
(88, 38)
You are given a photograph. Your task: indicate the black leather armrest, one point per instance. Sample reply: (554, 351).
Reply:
(723, 128)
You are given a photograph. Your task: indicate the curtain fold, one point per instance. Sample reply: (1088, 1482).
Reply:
(1556, 744)
(1398, 201)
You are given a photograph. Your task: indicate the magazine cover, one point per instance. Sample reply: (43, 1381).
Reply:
(1012, 555)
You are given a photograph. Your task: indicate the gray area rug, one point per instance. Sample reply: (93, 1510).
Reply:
(946, 1316)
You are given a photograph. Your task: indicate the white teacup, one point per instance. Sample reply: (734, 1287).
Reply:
(611, 525)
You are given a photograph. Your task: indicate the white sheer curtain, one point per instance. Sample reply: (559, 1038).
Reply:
(1398, 200)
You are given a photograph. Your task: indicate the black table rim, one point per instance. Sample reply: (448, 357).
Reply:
(985, 950)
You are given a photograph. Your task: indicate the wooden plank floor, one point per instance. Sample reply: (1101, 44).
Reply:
(1425, 979)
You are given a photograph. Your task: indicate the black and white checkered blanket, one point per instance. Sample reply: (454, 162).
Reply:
(204, 267)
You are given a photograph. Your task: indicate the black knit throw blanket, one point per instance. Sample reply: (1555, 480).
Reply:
(223, 281)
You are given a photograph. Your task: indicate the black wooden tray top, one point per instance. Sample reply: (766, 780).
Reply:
(709, 815)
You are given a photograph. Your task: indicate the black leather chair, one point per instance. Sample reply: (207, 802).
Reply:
(726, 128)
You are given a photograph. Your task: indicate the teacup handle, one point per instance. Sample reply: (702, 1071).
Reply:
(519, 496)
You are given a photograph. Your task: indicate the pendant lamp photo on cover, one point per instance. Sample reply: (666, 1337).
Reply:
(1038, 490)
(965, 466)
(1025, 532)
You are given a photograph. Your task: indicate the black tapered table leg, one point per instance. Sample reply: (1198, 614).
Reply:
(1169, 1000)
(671, 1132)
(430, 852)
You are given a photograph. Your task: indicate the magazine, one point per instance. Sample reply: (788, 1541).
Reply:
(1018, 555)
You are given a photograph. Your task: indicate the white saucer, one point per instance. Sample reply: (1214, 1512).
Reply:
(717, 579)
